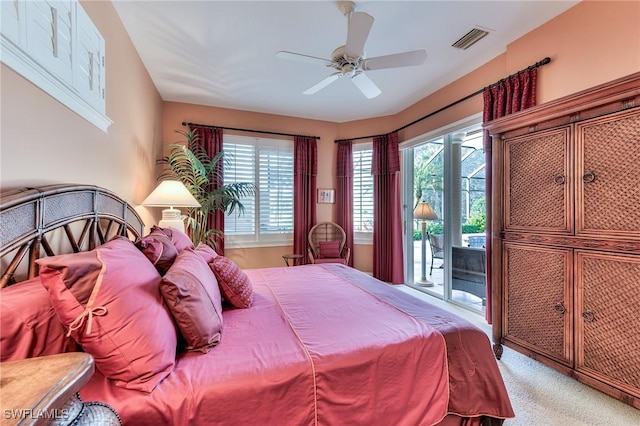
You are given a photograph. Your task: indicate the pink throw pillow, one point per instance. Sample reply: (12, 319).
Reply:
(158, 248)
(193, 297)
(329, 249)
(109, 300)
(179, 239)
(235, 285)
(206, 252)
(29, 326)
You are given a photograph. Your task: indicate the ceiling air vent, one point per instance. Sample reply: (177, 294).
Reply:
(470, 38)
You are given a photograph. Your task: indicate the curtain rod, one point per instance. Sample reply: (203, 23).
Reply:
(545, 61)
(247, 130)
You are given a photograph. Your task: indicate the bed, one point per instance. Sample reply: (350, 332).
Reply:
(315, 344)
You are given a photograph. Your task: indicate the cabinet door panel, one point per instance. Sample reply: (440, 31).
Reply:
(608, 317)
(607, 176)
(537, 185)
(538, 299)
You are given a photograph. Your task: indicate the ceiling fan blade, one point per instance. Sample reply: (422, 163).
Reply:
(358, 28)
(366, 86)
(397, 60)
(303, 58)
(322, 84)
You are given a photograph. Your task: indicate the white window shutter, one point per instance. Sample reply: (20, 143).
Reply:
(240, 165)
(50, 36)
(362, 191)
(276, 190)
(44, 42)
(268, 164)
(13, 25)
(89, 69)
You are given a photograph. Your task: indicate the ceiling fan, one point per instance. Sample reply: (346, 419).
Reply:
(349, 60)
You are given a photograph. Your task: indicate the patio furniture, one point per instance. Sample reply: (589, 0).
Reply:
(436, 241)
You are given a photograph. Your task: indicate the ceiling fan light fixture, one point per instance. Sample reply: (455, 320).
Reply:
(470, 38)
(350, 60)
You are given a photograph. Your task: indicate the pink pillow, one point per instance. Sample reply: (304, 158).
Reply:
(110, 301)
(206, 252)
(29, 326)
(192, 294)
(329, 249)
(158, 248)
(179, 239)
(235, 285)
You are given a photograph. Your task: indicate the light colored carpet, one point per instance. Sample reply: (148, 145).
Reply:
(541, 396)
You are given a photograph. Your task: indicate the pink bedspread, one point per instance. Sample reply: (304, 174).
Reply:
(324, 344)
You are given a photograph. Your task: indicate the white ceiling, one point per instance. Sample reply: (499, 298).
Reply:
(223, 53)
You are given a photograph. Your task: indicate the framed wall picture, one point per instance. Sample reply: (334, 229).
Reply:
(326, 196)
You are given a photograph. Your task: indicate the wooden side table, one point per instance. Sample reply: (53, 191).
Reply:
(295, 257)
(39, 391)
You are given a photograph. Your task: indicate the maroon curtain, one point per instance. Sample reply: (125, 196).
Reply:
(387, 219)
(212, 141)
(344, 192)
(305, 169)
(507, 96)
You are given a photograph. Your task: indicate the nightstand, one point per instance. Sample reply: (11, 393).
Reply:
(43, 390)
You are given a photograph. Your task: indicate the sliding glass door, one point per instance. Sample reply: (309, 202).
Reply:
(445, 211)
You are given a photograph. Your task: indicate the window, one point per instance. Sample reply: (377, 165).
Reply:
(268, 216)
(362, 193)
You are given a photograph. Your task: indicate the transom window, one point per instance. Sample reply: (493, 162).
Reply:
(268, 216)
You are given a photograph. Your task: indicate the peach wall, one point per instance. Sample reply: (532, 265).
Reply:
(43, 142)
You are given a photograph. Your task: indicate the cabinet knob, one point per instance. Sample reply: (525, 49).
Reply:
(559, 179)
(589, 316)
(588, 177)
(559, 308)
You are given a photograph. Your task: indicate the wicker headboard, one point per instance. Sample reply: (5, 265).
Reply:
(58, 219)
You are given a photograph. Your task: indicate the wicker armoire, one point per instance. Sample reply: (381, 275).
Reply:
(566, 235)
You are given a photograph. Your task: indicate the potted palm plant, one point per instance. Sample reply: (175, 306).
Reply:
(189, 162)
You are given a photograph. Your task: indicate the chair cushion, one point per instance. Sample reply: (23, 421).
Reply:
(329, 249)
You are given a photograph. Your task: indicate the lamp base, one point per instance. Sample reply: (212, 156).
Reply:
(172, 218)
(424, 283)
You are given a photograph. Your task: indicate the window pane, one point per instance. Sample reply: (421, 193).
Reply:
(362, 191)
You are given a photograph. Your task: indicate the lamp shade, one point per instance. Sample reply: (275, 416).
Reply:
(424, 211)
(171, 193)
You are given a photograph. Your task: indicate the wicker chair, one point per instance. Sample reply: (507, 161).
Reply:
(327, 244)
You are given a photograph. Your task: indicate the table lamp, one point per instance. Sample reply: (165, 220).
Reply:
(171, 193)
(424, 212)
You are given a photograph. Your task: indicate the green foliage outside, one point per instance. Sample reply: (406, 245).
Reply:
(478, 215)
